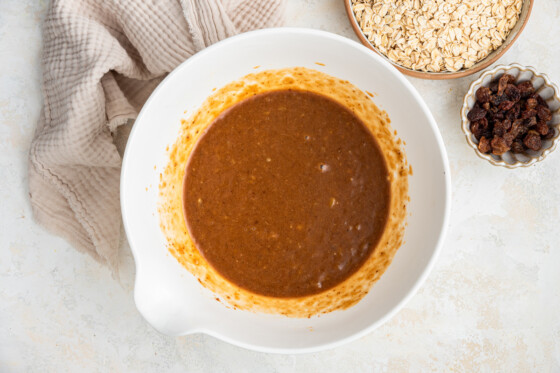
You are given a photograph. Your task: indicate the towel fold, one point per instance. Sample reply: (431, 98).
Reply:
(101, 61)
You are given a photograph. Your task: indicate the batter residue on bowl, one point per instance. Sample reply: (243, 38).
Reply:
(295, 192)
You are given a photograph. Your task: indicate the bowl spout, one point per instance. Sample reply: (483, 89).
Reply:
(161, 307)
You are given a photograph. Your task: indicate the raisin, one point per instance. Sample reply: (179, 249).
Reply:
(499, 145)
(499, 129)
(480, 127)
(511, 78)
(523, 130)
(486, 106)
(513, 93)
(484, 145)
(542, 128)
(506, 105)
(517, 129)
(530, 122)
(476, 130)
(531, 103)
(476, 113)
(513, 113)
(503, 82)
(497, 99)
(487, 133)
(528, 114)
(483, 94)
(542, 101)
(507, 124)
(517, 146)
(533, 140)
(493, 86)
(550, 134)
(526, 89)
(509, 137)
(544, 113)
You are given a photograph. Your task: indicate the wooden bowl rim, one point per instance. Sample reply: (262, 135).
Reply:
(435, 75)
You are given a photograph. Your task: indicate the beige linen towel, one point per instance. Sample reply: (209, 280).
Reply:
(101, 60)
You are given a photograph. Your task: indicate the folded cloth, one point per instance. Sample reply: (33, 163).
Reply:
(101, 60)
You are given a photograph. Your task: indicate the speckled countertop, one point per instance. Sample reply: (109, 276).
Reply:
(492, 302)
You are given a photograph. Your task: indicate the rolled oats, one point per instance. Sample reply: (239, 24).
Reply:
(436, 35)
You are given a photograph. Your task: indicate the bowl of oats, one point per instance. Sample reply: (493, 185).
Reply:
(439, 39)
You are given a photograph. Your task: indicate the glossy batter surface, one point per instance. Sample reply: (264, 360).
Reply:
(286, 194)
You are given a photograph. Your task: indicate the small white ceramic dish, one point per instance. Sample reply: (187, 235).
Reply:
(546, 89)
(171, 299)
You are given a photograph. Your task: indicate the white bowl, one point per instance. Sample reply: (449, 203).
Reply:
(546, 89)
(171, 299)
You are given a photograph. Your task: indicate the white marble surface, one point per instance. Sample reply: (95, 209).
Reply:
(492, 302)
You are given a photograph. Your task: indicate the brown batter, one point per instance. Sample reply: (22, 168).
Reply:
(286, 194)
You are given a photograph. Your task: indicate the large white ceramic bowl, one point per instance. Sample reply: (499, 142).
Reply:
(171, 299)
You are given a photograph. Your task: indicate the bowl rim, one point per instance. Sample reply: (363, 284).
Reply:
(465, 122)
(484, 63)
(425, 272)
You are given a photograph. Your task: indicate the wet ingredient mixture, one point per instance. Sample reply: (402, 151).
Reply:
(286, 194)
